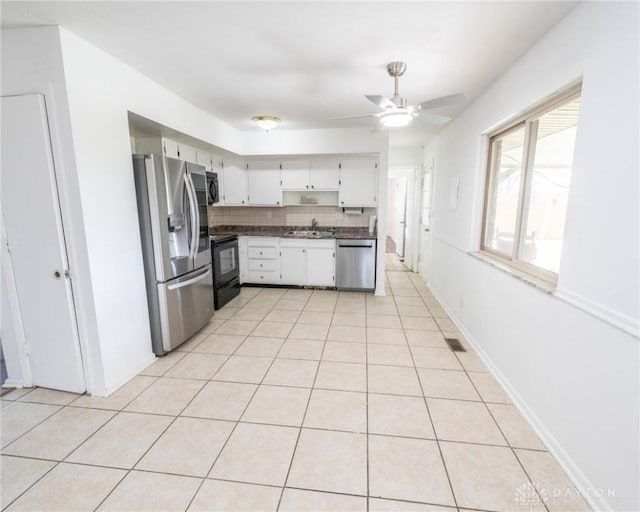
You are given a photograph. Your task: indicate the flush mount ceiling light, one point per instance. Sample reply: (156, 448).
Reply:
(266, 122)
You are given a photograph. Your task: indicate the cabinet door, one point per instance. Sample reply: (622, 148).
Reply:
(324, 174)
(264, 183)
(358, 182)
(293, 265)
(170, 148)
(295, 174)
(187, 153)
(320, 266)
(203, 158)
(235, 182)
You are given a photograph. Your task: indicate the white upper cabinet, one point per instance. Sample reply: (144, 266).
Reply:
(170, 148)
(358, 182)
(187, 153)
(204, 158)
(235, 182)
(324, 174)
(314, 174)
(264, 182)
(295, 174)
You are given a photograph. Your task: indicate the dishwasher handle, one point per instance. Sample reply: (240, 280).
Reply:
(356, 243)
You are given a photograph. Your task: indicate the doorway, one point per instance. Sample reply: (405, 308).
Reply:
(36, 278)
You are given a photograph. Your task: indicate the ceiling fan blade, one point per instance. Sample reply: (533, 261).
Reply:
(359, 116)
(381, 101)
(428, 118)
(442, 101)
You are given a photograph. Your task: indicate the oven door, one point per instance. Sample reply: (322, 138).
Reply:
(226, 262)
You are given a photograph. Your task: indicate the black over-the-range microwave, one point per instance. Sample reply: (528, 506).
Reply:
(213, 192)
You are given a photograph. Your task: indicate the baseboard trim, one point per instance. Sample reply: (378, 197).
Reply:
(14, 383)
(575, 474)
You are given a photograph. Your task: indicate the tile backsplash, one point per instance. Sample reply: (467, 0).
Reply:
(326, 216)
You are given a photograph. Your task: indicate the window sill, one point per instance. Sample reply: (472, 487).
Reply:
(534, 281)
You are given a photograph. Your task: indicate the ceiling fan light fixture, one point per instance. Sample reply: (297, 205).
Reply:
(396, 118)
(266, 122)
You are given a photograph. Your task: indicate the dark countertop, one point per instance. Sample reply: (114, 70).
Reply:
(283, 232)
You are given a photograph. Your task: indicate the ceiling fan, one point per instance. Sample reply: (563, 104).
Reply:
(395, 110)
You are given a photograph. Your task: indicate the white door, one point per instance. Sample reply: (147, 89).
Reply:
(425, 221)
(35, 236)
(321, 265)
(401, 214)
(264, 183)
(235, 182)
(293, 265)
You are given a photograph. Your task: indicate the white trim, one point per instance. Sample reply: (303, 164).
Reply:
(126, 378)
(618, 320)
(15, 384)
(613, 318)
(575, 474)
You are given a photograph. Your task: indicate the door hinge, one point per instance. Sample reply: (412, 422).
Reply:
(280, 255)
(67, 274)
(340, 166)
(247, 167)
(339, 182)
(334, 254)
(27, 352)
(280, 168)
(280, 182)
(376, 165)
(164, 149)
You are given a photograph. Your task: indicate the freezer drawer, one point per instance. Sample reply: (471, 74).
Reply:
(185, 306)
(356, 264)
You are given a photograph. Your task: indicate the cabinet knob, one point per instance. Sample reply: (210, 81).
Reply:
(243, 201)
(307, 186)
(312, 186)
(260, 264)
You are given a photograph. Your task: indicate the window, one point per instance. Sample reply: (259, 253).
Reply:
(529, 171)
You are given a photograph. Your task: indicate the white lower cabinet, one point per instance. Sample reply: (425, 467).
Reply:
(321, 263)
(263, 260)
(287, 261)
(293, 262)
(242, 257)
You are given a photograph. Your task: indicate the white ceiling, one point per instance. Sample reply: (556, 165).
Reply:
(305, 61)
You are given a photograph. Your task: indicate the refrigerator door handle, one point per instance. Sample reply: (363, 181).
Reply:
(189, 281)
(192, 200)
(196, 216)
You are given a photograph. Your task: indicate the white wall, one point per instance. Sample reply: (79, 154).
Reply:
(570, 358)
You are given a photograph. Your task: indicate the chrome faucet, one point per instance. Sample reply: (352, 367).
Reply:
(314, 224)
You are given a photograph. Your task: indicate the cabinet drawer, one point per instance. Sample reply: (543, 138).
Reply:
(269, 253)
(256, 276)
(262, 265)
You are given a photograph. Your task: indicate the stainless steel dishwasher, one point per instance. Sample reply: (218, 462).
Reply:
(356, 264)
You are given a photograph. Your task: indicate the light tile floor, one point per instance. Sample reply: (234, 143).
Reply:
(290, 400)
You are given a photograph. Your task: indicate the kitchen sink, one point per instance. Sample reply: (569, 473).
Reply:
(310, 234)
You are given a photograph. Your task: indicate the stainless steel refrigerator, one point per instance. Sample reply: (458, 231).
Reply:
(172, 208)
